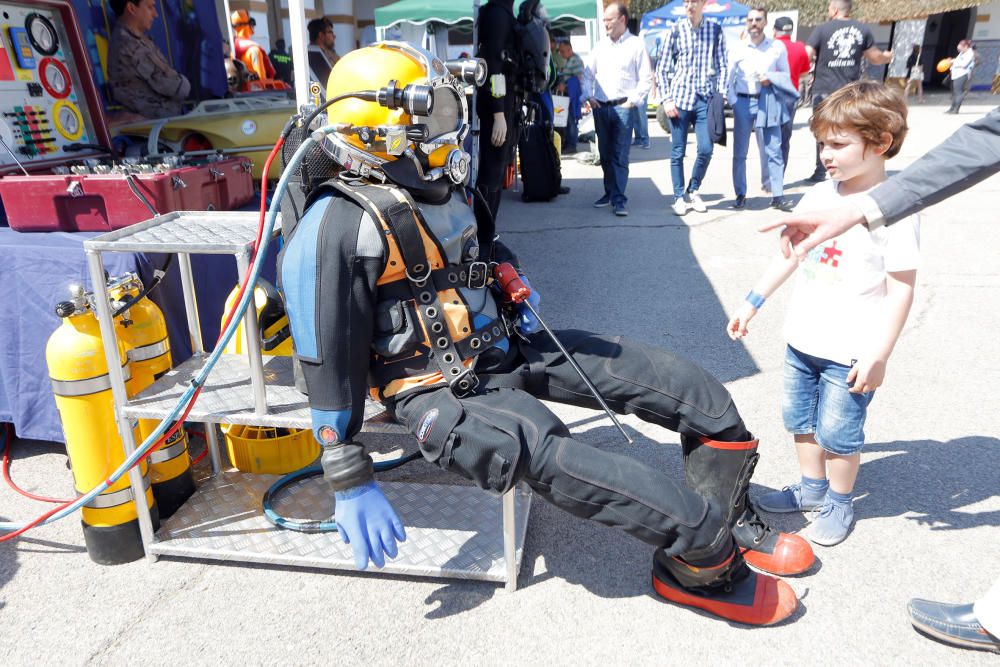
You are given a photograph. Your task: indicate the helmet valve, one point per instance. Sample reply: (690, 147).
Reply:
(413, 98)
(470, 71)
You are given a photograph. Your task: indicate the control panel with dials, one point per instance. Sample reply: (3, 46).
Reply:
(49, 108)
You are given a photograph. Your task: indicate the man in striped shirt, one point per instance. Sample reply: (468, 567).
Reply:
(692, 65)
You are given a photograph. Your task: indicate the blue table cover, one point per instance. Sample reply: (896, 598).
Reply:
(36, 270)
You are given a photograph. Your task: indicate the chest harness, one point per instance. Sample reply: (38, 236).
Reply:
(418, 280)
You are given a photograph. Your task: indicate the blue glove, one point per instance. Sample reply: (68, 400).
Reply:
(527, 322)
(368, 523)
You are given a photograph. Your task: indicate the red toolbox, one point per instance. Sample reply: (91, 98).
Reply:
(235, 182)
(98, 202)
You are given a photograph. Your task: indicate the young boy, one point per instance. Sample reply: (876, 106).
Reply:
(852, 296)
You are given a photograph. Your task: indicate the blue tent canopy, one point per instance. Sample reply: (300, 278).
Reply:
(725, 11)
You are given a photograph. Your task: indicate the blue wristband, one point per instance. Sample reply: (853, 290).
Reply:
(755, 300)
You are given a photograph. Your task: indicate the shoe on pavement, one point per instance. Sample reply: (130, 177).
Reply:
(646, 146)
(782, 204)
(831, 524)
(740, 202)
(620, 210)
(679, 206)
(603, 201)
(696, 203)
(789, 499)
(953, 624)
(731, 590)
(765, 548)
(564, 189)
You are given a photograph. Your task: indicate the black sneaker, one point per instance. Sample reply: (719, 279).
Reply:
(782, 204)
(620, 210)
(740, 203)
(603, 201)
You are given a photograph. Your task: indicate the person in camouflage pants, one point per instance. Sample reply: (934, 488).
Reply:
(141, 79)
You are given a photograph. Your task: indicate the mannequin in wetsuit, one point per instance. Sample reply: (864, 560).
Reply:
(387, 278)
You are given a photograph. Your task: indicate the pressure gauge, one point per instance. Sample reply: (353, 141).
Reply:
(42, 34)
(67, 119)
(55, 78)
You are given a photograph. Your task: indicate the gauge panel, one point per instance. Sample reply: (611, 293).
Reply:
(44, 106)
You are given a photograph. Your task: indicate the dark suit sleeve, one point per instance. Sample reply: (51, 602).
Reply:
(967, 157)
(496, 35)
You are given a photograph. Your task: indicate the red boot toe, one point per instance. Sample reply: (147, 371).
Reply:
(784, 555)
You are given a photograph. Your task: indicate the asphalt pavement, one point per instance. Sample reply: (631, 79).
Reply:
(927, 503)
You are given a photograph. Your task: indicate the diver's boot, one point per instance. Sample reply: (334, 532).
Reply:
(721, 471)
(729, 589)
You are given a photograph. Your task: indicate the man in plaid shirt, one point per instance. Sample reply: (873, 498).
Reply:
(692, 65)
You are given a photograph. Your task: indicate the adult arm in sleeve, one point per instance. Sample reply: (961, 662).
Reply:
(967, 157)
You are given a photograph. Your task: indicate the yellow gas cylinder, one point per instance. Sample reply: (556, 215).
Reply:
(143, 329)
(272, 322)
(266, 449)
(82, 388)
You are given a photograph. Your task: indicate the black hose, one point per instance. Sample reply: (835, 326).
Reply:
(130, 180)
(313, 525)
(157, 279)
(368, 95)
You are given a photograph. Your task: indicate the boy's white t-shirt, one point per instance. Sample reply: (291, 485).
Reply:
(837, 308)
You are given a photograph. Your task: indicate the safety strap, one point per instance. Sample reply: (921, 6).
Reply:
(473, 275)
(396, 211)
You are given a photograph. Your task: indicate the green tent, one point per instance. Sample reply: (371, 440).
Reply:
(448, 12)
(453, 13)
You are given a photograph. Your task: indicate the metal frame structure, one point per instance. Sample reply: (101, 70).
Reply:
(453, 531)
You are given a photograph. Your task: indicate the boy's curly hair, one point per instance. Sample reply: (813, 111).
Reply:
(867, 108)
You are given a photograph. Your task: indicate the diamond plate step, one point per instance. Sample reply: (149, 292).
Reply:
(451, 531)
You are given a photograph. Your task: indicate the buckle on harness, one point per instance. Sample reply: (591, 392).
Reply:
(420, 268)
(479, 275)
(464, 384)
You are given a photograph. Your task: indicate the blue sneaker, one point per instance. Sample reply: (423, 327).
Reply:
(831, 524)
(789, 499)
(603, 201)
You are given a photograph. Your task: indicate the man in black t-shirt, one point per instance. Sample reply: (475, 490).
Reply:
(839, 48)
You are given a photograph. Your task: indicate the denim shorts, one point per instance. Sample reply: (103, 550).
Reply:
(817, 401)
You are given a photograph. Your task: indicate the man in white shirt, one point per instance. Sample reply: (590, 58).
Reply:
(617, 76)
(961, 74)
(755, 62)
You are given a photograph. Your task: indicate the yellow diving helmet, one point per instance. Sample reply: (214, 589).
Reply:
(401, 114)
